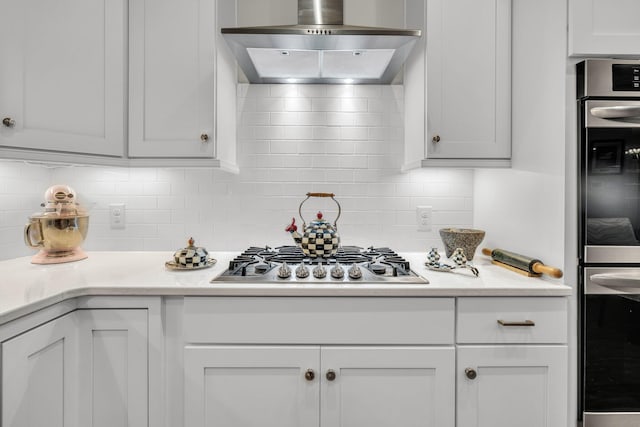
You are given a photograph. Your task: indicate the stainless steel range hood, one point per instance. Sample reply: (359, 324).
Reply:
(320, 49)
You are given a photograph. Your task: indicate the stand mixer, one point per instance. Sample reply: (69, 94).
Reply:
(58, 231)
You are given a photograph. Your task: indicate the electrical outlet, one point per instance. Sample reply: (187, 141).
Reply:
(117, 217)
(423, 218)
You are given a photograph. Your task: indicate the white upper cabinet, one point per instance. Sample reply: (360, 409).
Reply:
(172, 72)
(182, 80)
(64, 80)
(458, 84)
(604, 27)
(62, 76)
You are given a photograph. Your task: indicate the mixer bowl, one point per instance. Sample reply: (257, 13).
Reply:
(56, 235)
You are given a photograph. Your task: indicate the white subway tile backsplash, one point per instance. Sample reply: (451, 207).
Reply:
(371, 119)
(312, 91)
(326, 133)
(340, 119)
(312, 147)
(269, 104)
(254, 91)
(354, 104)
(297, 104)
(255, 119)
(367, 91)
(298, 132)
(339, 176)
(354, 133)
(283, 91)
(326, 104)
(293, 139)
(270, 132)
(340, 147)
(283, 147)
(283, 119)
(352, 162)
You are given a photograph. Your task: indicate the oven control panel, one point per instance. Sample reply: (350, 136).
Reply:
(626, 77)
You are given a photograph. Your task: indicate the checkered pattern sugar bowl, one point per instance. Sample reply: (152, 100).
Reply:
(320, 238)
(191, 257)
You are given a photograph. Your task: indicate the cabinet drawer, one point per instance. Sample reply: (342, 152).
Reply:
(318, 320)
(525, 320)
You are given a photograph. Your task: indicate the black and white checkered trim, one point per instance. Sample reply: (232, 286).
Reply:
(191, 257)
(322, 242)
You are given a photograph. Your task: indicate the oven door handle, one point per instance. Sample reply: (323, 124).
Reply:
(616, 112)
(616, 280)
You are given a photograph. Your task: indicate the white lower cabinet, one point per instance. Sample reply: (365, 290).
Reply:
(87, 368)
(309, 386)
(506, 386)
(511, 362)
(39, 376)
(290, 362)
(387, 386)
(113, 368)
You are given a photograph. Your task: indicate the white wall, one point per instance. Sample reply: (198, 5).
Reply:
(292, 140)
(522, 208)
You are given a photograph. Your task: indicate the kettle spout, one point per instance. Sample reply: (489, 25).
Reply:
(293, 229)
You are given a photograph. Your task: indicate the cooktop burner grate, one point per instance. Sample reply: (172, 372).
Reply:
(349, 264)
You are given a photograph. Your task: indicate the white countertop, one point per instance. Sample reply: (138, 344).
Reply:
(26, 287)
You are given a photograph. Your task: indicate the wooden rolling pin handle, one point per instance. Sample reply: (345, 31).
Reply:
(487, 251)
(538, 267)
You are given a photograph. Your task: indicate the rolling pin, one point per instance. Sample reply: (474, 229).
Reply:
(521, 262)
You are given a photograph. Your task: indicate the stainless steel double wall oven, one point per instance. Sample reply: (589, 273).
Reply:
(609, 242)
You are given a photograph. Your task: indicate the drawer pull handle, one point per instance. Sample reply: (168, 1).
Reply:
(525, 323)
(331, 375)
(309, 375)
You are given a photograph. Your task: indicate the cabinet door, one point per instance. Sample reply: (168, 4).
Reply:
(524, 386)
(62, 75)
(604, 27)
(113, 368)
(171, 89)
(468, 79)
(39, 372)
(251, 386)
(388, 386)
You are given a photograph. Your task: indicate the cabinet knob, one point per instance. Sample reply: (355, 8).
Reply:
(309, 375)
(471, 373)
(204, 137)
(435, 139)
(331, 375)
(8, 122)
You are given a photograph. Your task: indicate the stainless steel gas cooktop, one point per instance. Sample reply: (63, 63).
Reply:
(350, 264)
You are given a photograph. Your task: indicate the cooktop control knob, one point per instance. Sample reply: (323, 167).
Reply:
(302, 271)
(354, 272)
(319, 272)
(337, 272)
(284, 271)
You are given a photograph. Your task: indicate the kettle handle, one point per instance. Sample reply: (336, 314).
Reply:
(335, 223)
(27, 235)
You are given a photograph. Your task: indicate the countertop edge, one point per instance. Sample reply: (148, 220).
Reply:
(261, 291)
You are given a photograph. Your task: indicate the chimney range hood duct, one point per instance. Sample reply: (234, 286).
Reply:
(320, 49)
